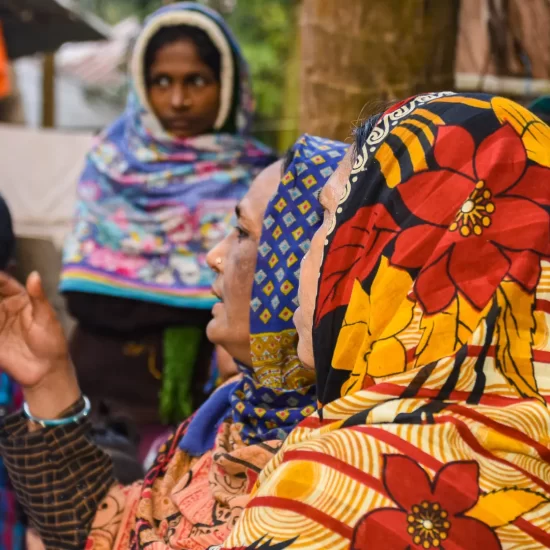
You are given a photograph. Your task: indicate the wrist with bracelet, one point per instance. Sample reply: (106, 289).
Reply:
(63, 420)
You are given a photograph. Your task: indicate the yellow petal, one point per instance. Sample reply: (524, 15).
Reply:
(366, 340)
(514, 348)
(477, 103)
(391, 310)
(389, 165)
(446, 332)
(353, 340)
(502, 507)
(534, 133)
(387, 357)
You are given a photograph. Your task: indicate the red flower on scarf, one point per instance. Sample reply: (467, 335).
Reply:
(429, 514)
(484, 203)
(354, 251)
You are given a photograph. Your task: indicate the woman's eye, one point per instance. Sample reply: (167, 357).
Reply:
(161, 82)
(241, 233)
(198, 81)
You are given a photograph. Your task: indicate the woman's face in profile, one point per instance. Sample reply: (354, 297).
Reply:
(183, 91)
(311, 264)
(234, 262)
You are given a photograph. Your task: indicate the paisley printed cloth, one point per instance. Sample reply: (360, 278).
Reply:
(149, 205)
(192, 502)
(431, 340)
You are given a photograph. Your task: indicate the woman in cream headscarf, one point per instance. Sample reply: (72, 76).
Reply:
(158, 190)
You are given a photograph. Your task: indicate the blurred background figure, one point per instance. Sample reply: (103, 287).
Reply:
(159, 189)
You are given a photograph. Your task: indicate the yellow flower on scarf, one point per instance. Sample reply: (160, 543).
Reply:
(534, 133)
(368, 343)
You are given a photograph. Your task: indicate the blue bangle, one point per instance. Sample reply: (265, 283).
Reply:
(45, 423)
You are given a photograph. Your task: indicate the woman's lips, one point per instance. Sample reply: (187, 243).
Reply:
(216, 307)
(180, 124)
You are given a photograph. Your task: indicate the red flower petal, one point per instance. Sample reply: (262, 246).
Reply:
(525, 268)
(436, 196)
(534, 185)
(500, 159)
(477, 267)
(384, 528)
(433, 288)
(455, 149)
(520, 225)
(354, 251)
(456, 487)
(406, 482)
(471, 534)
(415, 245)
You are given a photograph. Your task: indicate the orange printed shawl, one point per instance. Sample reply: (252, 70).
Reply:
(431, 338)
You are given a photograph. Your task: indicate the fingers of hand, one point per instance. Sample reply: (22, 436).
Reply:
(9, 286)
(34, 286)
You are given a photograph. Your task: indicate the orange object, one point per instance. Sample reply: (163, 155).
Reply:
(5, 83)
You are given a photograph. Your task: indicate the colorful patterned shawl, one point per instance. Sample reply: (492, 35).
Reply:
(202, 479)
(431, 345)
(149, 205)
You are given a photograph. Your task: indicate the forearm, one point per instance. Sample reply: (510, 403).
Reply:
(55, 393)
(59, 475)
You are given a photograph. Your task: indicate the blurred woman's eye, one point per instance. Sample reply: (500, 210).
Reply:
(198, 81)
(161, 81)
(241, 233)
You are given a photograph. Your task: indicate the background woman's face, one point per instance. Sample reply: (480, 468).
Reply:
(311, 264)
(234, 261)
(183, 91)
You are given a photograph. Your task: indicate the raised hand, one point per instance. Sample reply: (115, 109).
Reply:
(31, 339)
(33, 347)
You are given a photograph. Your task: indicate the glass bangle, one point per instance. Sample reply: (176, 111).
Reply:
(46, 423)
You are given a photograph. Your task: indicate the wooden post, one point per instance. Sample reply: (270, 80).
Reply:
(359, 53)
(48, 90)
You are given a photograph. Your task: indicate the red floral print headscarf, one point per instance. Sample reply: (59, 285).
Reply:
(432, 349)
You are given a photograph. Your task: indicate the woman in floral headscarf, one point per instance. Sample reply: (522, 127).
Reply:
(430, 342)
(158, 190)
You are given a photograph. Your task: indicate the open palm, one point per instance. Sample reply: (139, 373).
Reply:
(31, 338)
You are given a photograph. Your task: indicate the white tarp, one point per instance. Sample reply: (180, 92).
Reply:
(39, 170)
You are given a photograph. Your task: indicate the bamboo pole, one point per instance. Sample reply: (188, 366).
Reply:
(48, 90)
